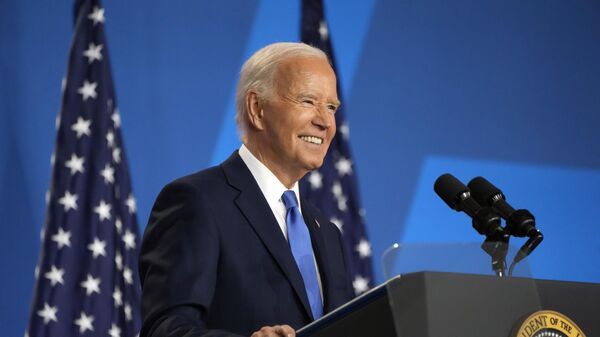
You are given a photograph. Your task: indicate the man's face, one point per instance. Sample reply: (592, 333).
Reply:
(299, 117)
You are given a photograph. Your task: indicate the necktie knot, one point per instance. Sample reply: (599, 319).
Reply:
(289, 199)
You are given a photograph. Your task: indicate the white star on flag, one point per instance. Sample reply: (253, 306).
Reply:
(97, 15)
(57, 121)
(315, 178)
(55, 275)
(362, 212)
(114, 331)
(48, 313)
(363, 248)
(119, 225)
(91, 285)
(341, 201)
(117, 297)
(75, 164)
(360, 284)
(82, 127)
(343, 166)
(323, 31)
(103, 210)
(128, 275)
(98, 247)
(88, 90)
(127, 310)
(119, 260)
(108, 173)
(344, 130)
(110, 139)
(85, 322)
(62, 238)
(93, 53)
(69, 201)
(131, 204)
(116, 117)
(129, 239)
(116, 154)
(336, 189)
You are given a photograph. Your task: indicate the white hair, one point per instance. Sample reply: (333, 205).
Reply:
(258, 73)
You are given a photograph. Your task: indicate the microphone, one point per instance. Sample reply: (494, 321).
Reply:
(458, 197)
(519, 223)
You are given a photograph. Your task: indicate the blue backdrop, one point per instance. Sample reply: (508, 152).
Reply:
(505, 89)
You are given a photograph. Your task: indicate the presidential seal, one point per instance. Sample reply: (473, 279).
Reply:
(548, 323)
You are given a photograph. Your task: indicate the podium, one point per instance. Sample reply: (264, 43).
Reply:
(439, 304)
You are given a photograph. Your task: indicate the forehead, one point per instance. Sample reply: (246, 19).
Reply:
(304, 71)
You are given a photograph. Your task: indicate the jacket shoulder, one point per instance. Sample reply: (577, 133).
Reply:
(203, 178)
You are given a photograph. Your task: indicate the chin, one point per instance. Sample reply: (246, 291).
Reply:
(313, 161)
(313, 165)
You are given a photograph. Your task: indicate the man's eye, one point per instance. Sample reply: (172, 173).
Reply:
(332, 108)
(308, 102)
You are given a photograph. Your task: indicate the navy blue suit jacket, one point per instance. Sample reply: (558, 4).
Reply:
(214, 261)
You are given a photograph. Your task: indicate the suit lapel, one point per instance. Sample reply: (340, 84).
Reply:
(320, 251)
(255, 208)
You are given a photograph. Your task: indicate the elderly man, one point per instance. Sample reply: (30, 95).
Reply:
(234, 250)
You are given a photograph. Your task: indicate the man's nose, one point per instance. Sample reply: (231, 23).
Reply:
(323, 117)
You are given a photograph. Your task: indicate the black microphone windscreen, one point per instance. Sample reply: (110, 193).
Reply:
(449, 189)
(483, 191)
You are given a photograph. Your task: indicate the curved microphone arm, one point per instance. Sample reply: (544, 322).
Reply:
(535, 238)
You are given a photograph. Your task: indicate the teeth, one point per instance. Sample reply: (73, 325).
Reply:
(311, 139)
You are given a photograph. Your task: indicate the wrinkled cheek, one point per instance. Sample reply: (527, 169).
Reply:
(333, 128)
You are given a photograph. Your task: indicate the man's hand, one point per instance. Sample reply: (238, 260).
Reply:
(275, 331)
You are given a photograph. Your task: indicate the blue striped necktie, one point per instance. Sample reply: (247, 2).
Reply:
(299, 240)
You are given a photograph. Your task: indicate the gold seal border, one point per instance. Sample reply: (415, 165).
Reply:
(554, 320)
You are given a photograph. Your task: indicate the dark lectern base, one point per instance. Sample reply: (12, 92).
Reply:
(432, 304)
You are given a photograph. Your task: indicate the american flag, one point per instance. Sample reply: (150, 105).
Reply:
(333, 187)
(87, 282)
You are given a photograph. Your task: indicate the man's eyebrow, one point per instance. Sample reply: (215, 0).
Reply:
(307, 95)
(335, 102)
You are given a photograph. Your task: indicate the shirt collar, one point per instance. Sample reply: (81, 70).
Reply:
(268, 183)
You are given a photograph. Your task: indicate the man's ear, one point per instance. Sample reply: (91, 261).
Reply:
(254, 110)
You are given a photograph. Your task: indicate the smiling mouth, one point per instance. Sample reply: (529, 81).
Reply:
(312, 139)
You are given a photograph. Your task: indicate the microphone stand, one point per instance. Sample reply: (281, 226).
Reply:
(497, 248)
(488, 223)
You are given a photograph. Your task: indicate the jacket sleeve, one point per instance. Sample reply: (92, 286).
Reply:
(178, 264)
